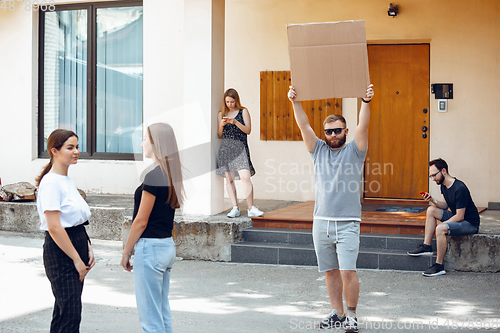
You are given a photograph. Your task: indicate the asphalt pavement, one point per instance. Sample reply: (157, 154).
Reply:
(222, 297)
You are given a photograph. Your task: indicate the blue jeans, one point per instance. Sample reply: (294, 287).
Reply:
(153, 261)
(457, 228)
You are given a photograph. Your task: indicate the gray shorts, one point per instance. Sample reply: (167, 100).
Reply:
(336, 244)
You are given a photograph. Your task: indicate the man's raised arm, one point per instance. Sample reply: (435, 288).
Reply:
(361, 134)
(307, 132)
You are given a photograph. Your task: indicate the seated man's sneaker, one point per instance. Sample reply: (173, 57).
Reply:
(255, 211)
(332, 320)
(435, 270)
(351, 323)
(421, 250)
(234, 212)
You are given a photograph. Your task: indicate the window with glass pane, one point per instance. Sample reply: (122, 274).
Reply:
(65, 74)
(119, 79)
(91, 81)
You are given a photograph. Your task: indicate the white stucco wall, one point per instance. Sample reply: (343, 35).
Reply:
(183, 82)
(18, 116)
(465, 50)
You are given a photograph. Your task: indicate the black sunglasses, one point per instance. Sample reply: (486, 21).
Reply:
(337, 131)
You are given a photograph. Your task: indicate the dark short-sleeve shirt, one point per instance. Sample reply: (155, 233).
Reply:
(161, 219)
(457, 197)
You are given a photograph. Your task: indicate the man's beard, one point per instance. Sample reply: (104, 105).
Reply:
(336, 144)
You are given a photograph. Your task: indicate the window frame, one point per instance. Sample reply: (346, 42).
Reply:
(91, 8)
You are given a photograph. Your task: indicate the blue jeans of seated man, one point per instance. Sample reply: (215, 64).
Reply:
(457, 228)
(153, 261)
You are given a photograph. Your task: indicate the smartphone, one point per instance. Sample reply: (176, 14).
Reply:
(422, 192)
(225, 117)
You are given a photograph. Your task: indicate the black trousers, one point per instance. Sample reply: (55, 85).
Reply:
(65, 280)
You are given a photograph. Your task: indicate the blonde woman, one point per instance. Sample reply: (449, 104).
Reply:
(155, 201)
(67, 254)
(233, 160)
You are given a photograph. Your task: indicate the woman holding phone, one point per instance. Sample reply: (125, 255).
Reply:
(233, 160)
(67, 254)
(155, 201)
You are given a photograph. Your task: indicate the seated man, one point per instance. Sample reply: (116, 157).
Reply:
(462, 220)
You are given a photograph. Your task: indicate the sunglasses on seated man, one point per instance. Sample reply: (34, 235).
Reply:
(337, 131)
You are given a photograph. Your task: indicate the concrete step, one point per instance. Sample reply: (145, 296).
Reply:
(288, 254)
(279, 236)
(273, 253)
(391, 241)
(392, 259)
(295, 247)
(304, 237)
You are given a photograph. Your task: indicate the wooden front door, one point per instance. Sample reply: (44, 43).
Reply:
(398, 149)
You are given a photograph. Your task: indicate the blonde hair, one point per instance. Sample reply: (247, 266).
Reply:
(166, 152)
(233, 94)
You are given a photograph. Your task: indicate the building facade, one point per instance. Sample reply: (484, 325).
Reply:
(192, 50)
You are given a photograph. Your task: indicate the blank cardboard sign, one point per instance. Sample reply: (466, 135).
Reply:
(328, 60)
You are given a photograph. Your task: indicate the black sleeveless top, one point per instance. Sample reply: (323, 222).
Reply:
(234, 154)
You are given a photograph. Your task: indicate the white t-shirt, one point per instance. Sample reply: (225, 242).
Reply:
(57, 192)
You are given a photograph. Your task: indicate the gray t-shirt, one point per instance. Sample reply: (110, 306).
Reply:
(338, 174)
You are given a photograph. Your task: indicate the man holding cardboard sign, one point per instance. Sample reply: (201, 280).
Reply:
(330, 60)
(337, 211)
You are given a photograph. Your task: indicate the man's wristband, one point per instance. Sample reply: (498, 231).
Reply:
(366, 101)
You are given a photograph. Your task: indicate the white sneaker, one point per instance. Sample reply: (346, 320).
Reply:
(254, 211)
(234, 212)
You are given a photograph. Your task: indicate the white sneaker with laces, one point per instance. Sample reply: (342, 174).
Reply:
(234, 212)
(255, 211)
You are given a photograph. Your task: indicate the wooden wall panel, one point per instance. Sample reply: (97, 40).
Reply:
(263, 106)
(277, 121)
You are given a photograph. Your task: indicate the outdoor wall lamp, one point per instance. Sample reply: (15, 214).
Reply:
(393, 10)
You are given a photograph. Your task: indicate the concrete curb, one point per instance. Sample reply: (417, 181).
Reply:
(474, 253)
(210, 237)
(196, 237)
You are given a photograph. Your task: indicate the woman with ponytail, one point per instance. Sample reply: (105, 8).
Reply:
(155, 201)
(67, 254)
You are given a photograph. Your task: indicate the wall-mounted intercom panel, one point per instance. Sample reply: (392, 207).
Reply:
(442, 90)
(442, 105)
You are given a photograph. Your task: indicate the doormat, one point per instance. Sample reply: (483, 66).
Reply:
(401, 209)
